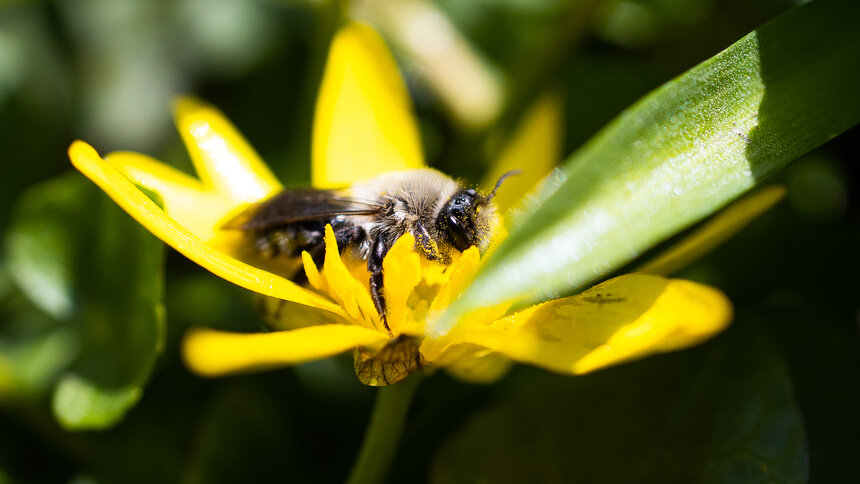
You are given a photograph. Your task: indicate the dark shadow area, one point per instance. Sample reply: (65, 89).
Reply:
(718, 413)
(809, 73)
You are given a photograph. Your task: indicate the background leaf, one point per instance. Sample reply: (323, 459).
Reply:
(681, 153)
(41, 253)
(82, 260)
(244, 436)
(708, 415)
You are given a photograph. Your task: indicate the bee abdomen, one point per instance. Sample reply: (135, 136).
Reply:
(288, 240)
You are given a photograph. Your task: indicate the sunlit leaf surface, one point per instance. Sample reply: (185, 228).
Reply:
(681, 153)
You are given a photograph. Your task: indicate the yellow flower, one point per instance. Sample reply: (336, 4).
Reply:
(363, 127)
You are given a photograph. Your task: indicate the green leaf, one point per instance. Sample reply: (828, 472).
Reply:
(722, 413)
(84, 261)
(680, 154)
(29, 365)
(80, 404)
(41, 253)
(33, 348)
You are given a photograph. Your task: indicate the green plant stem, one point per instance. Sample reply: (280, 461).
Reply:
(383, 432)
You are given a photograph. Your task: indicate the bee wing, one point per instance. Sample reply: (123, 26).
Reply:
(301, 205)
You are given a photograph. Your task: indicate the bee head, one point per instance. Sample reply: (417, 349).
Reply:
(457, 219)
(467, 217)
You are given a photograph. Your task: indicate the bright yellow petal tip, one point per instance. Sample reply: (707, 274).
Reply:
(363, 124)
(214, 353)
(222, 157)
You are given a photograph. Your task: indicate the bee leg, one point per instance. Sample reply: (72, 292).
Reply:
(348, 236)
(345, 236)
(374, 266)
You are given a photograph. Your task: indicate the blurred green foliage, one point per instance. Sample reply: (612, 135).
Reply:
(98, 273)
(81, 284)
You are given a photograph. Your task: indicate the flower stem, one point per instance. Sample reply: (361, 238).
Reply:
(383, 431)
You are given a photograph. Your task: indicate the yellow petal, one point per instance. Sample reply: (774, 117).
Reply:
(184, 198)
(626, 318)
(714, 232)
(283, 315)
(223, 159)
(352, 294)
(151, 216)
(315, 279)
(363, 125)
(213, 353)
(471, 88)
(199, 209)
(461, 271)
(534, 147)
(401, 270)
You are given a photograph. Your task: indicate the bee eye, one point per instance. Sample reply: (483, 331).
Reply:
(457, 220)
(458, 234)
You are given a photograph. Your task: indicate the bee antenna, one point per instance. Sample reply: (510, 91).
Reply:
(501, 179)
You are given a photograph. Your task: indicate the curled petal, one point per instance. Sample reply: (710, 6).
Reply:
(184, 198)
(626, 318)
(363, 124)
(151, 216)
(213, 353)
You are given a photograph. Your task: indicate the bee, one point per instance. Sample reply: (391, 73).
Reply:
(369, 216)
